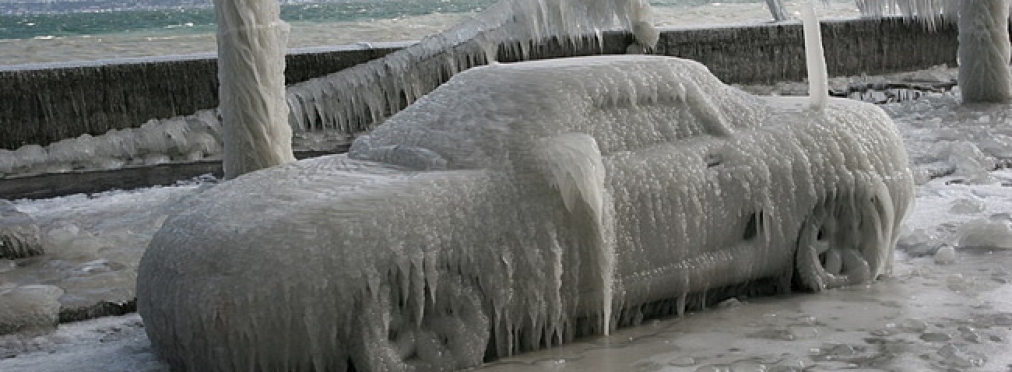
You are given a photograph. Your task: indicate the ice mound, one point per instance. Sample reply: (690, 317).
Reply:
(946, 138)
(983, 233)
(945, 255)
(30, 308)
(920, 243)
(19, 235)
(517, 207)
(969, 162)
(92, 246)
(182, 138)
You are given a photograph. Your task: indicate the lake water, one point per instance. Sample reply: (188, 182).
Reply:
(40, 31)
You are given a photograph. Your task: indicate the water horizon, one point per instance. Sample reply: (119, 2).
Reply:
(47, 31)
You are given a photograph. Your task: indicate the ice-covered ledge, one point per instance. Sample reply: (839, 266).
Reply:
(48, 102)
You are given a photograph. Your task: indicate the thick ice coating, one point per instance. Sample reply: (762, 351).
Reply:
(251, 73)
(518, 206)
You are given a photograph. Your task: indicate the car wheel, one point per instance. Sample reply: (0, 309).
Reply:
(829, 251)
(452, 334)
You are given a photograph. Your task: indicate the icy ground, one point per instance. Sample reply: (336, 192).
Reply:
(947, 306)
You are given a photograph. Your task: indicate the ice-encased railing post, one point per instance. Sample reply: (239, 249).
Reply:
(251, 65)
(984, 51)
(465, 225)
(353, 100)
(777, 10)
(815, 58)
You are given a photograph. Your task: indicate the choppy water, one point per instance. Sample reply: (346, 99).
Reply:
(39, 31)
(199, 18)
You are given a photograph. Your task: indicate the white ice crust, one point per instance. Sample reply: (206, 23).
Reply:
(182, 138)
(516, 207)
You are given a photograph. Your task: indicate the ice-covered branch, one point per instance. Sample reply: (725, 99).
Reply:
(355, 99)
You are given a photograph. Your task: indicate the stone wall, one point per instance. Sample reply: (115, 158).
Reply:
(775, 52)
(45, 103)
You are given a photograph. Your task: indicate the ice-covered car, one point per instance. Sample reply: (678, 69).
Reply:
(521, 205)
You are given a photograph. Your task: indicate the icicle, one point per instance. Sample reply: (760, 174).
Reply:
(931, 12)
(680, 304)
(818, 78)
(573, 165)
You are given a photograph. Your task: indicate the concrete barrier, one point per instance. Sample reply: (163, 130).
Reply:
(44, 103)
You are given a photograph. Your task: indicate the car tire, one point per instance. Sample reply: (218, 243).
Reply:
(453, 333)
(829, 252)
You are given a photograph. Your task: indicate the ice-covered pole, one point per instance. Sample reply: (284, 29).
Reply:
(251, 66)
(984, 51)
(815, 58)
(777, 10)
